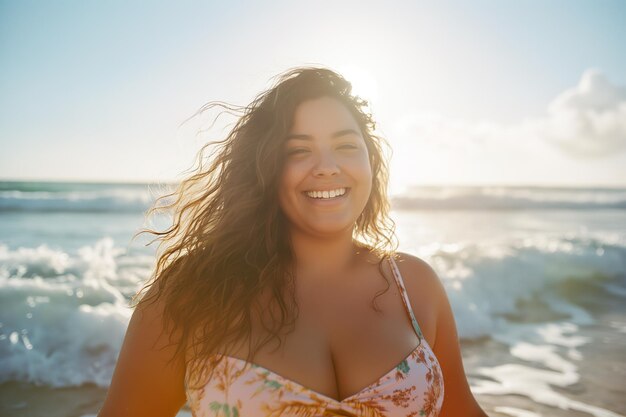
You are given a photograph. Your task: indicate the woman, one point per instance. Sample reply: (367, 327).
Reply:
(279, 292)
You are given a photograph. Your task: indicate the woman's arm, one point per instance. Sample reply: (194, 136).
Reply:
(143, 383)
(458, 398)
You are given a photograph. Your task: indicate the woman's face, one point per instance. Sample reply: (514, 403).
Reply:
(327, 178)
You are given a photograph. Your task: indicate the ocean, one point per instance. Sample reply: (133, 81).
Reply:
(536, 278)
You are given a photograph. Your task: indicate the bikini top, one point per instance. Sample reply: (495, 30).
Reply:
(414, 387)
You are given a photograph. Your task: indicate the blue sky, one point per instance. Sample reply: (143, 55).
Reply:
(466, 92)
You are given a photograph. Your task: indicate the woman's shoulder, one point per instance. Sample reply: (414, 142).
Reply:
(421, 280)
(416, 267)
(426, 293)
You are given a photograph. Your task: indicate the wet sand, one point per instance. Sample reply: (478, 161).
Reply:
(602, 371)
(28, 400)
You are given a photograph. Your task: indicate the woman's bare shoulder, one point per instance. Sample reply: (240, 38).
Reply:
(422, 281)
(418, 271)
(424, 290)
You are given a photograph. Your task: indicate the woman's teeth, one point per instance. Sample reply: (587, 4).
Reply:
(326, 194)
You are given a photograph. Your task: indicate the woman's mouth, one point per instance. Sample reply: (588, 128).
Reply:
(327, 195)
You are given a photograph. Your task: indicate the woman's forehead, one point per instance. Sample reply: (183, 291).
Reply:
(322, 115)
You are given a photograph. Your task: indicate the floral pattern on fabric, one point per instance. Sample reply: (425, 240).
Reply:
(412, 388)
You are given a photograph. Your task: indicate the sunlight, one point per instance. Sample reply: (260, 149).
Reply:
(364, 84)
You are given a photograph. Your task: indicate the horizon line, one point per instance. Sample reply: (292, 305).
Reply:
(417, 185)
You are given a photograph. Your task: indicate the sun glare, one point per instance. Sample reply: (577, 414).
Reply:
(364, 84)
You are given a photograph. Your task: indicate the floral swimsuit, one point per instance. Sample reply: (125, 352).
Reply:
(412, 388)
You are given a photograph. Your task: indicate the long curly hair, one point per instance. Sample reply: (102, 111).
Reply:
(228, 240)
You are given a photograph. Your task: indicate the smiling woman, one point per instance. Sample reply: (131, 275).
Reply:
(331, 159)
(285, 237)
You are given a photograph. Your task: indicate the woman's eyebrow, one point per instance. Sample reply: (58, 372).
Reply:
(335, 135)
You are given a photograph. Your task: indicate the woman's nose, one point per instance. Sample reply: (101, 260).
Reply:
(325, 165)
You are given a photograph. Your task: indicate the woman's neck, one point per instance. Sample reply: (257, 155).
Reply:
(327, 256)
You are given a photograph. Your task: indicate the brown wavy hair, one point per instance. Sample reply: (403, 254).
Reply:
(228, 240)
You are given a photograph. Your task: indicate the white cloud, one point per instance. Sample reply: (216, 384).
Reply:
(588, 120)
(580, 140)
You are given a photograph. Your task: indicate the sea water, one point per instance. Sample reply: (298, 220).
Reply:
(536, 278)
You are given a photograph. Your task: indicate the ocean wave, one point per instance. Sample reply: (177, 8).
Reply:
(64, 316)
(529, 280)
(510, 198)
(62, 197)
(86, 197)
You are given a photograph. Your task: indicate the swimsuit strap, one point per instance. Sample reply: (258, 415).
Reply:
(405, 297)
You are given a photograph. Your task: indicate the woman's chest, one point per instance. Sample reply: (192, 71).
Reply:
(344, 336)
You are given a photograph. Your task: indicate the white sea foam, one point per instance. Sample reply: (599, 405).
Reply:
(516, 412)
(66, 327)
(486, 282)
(486, 285)
(63, 314)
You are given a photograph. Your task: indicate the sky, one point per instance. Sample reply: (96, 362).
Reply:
(480, 92)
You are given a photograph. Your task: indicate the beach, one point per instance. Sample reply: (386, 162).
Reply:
(536, 279)
(600, 386)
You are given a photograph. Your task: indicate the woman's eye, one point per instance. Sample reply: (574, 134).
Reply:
(348, 146)
(296, 151)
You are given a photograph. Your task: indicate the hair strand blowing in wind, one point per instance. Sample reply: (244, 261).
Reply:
(228, 241)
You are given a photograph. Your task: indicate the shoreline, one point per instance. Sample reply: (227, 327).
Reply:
(599, 388)
(19, 399)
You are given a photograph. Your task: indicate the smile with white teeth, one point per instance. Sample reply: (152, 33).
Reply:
(326, 194)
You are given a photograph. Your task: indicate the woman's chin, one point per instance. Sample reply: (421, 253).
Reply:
(330, 229)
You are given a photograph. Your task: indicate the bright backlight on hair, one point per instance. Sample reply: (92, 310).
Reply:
(364, 84)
